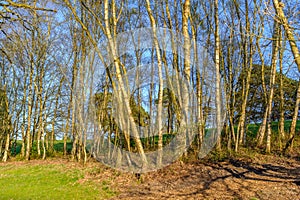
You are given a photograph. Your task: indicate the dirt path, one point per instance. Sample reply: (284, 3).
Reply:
(234, 179)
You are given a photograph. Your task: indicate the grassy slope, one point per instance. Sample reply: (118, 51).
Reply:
(50, 181)
(253, 128)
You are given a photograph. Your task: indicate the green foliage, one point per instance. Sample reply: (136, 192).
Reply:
(48, 182)
(140, 116)
(59, 146)
(58, 149)
(256, 101)
(103, 103)
(150, 143)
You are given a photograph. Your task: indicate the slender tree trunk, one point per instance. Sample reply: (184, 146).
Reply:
(247, 62)
(288, 31)
(30, 102)
(275, 50)
(262, 129)
(289, 144)
(160, 92)
(74, 94)
(175, 60)
(7, 128)
(41, 107)
(43, 139)
(73, 123)
(66, 132)
(281, 108)
(24, 114)
(247, 66)
(230, 97)
(23, 138)
(187, 67)
(119, 78)
(218, 77)
(6, 149)
(290, 36)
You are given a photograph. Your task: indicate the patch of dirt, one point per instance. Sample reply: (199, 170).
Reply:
(264, 178)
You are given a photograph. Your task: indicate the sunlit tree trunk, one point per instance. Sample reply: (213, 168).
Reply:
(23, 130)
(74, 130)
(247, 42)
(281, 108)
(40, 99)
(275, 49)
(288, 31)
(187, 68)
(230, 99)
(6, 148)
(175, 59)
(262, 128)
(290, 37)
(30, 102)
(217, 69)
(199, 88)
(67, 127)
(119, 78)
(160, 90)
(289, 144)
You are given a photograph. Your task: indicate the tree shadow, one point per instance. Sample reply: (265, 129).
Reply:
(237, 169)
(224, 180)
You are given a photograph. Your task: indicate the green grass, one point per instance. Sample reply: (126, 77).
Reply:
(277, 143)
(48, 182)
(252, 130)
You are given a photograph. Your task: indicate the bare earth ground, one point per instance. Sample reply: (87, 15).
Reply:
(266, 178)
(263, 177)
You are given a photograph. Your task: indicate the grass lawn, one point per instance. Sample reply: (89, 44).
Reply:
(48, 181)
(253, 128)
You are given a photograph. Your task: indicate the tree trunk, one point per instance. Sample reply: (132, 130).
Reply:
(262, 128)
(6, 149)
(160, 90)
(218, 77)
(73, 99)
(247, 66)
(123, 93)
(289, 144)
(288, 31)
(281, 108)
(275, 50)
(66, 132)
(30, 102)
(187, 67)
(230, 94)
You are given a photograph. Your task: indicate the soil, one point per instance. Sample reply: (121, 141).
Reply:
(265, 178)
(262, 177)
